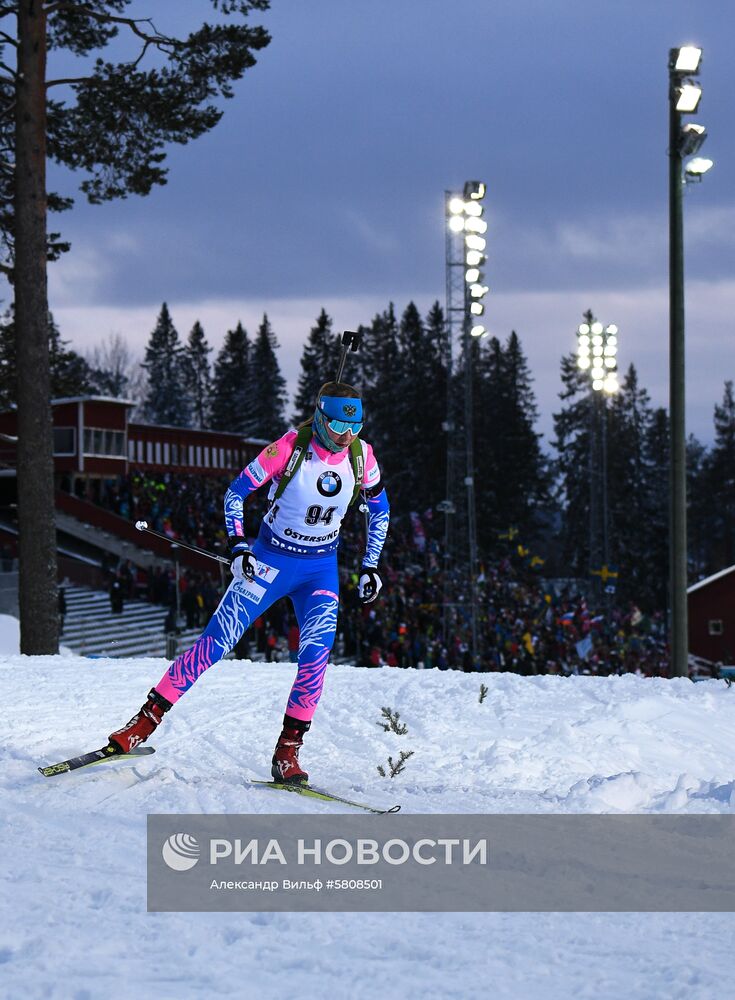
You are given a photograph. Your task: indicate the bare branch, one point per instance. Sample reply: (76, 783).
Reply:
(5, 37)
(157, 39)
(70, 79)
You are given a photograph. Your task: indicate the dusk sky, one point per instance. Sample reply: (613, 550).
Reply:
(323, 184)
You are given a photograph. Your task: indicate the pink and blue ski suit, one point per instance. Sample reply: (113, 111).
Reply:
(296, 549)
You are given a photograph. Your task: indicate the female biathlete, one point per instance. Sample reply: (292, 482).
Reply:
(315, 473)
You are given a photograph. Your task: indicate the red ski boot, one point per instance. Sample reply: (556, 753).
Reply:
(286, 757)
(142, 724)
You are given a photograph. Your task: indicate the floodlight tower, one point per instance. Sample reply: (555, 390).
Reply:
(684, 97)
(597, 350)
(465, 257)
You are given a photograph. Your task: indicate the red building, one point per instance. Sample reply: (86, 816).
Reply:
(95, 439)
(711, 604)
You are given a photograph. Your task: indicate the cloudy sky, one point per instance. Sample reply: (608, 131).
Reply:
(323, 184)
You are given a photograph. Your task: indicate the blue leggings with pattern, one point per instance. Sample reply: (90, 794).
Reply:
(312, 584)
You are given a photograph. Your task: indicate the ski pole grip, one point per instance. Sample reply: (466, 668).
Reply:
(141, 525)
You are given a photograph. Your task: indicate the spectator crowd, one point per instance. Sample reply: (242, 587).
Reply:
(525, 623)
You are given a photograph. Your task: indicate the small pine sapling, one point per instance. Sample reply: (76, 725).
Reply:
(483, 692)
(395, 766)
(390, 722)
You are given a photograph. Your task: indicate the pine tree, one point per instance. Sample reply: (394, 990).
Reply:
(166, 400)
(511, 467)
(71, 375)
(699, 509)
(379, 361)
(722, 478)
(232, 405)
(657, 515)
(268, 392)
(631, 547)
(572, 444)
(318, 363)
(113, 125)
(197, 376)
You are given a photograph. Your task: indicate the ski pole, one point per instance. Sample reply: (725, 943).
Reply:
(350, 341)
(143, 526)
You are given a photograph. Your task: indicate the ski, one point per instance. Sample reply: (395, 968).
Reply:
(109, 752)
(319, 793)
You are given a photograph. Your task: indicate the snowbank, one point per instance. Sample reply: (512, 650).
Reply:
(74, 846)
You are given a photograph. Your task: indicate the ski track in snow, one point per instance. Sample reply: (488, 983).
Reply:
(74, 923)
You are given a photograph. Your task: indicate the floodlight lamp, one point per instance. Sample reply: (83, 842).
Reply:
(473, 242)
(584, 340)
(473, 225)
(477, 331)
(597, 384)
(610, 350)
(472, 275)
(610, 363)
(691, 139)
(473, 208)
(686, 59)
(688, 96)
(456, 223)
(611, 330)
(474, 190)
(477, 308)
(596, 328)
(698, 166)
(612, 341)
(583, 363)
(597, 340)
(456, 206)
(477, 291)
(473, 258)
(597, 370)
(583, 328)
(611, 384)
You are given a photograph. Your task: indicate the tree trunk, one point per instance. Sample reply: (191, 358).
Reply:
(39, 626)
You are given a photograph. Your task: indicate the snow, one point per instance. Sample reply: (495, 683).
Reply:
(74, 921)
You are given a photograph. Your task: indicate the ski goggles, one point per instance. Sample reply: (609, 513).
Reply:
(342, 414)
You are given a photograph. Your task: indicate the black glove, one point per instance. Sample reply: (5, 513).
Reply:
(243, 563)
(369, 585)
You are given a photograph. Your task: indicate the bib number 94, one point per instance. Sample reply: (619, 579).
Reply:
(316, 514)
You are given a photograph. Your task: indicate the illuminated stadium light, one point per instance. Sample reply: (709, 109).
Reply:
(697, 167)
(475, 242)
(456, 223)
(687, 101)
(473, 208)
(477, 291)
(472, 275)
(686, 60)
(476, 308)
(474, 190)
(456, 206)
(477, 331)
(474, 225)
(473, 258)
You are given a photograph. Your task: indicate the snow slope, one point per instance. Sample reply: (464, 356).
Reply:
(74, 923)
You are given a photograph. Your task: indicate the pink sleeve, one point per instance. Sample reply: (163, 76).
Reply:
(372, 469)
(271, 461)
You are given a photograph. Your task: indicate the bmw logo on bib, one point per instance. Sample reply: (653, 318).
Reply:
(329, 484)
